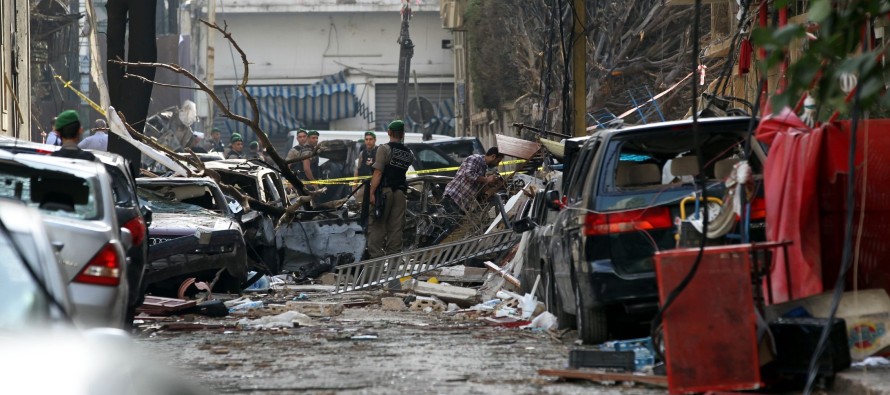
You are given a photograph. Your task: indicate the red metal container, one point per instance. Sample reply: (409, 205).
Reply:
(710, 334)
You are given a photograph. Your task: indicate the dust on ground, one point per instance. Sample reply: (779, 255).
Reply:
(402, 352)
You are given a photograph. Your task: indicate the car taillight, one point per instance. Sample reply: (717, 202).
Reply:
(758, 209)
(136, 226)
(44, 152)
(103, 269)
(628, 221)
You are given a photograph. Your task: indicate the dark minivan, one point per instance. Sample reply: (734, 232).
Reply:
(622, 195)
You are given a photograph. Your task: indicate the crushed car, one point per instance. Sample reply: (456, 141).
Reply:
(194, 233)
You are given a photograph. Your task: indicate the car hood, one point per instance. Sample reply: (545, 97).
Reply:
(187, 223)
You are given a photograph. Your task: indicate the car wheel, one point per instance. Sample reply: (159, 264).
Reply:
(591, 322)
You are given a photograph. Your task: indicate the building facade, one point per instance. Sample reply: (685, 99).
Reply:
(15, 93)
(327, 64)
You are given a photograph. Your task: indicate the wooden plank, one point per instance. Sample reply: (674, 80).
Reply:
(585, 374)
(519, 148)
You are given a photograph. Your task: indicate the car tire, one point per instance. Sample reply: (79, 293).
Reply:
(591, 321)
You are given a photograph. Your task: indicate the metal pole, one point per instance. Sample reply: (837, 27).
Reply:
(579, 70)
(211, 60)
(405, 54)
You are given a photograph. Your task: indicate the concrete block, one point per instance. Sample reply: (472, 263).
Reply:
(316, 309)
(428, 304)
(393, 304)
(449, 293)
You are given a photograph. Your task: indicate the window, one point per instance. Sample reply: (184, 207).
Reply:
(430, 159)
(54, 193)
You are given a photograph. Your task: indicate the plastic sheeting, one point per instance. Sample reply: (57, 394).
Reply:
(792, 210)
(805, 186)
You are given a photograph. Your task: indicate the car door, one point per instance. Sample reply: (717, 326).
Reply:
(565, 247)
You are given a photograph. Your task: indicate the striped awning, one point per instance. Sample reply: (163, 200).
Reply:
(288, 107)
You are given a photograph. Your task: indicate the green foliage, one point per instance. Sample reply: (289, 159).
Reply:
(492, 51)
(837, 50)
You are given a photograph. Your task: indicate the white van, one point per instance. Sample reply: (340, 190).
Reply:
(382, 138)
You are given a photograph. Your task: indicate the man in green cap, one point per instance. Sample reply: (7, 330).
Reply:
(237, 147)
(69, 130)
(310, 166)
(389, 186)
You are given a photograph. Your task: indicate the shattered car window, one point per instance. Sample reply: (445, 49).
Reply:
(54, 193)
(159, 202)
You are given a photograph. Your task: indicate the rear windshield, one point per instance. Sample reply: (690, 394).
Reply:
(645, 169)
(54, 193)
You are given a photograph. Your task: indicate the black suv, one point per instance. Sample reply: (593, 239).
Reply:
(622, 196)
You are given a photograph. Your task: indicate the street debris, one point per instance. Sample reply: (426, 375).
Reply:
(288, 319)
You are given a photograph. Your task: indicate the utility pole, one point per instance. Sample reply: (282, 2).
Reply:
(579, 70)
(211, 60)
(405, 54)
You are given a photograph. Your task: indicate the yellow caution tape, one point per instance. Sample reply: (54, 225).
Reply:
(67, 84)
(350, 180)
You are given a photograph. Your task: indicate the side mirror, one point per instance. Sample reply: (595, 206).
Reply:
(552, 200)
(126, 239)
(146, 215)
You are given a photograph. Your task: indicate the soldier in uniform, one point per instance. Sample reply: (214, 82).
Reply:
(388, 193)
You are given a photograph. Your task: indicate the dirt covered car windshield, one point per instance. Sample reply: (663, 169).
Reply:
(54, 193)
(165, 200)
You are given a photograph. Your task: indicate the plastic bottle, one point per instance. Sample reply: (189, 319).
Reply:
(643, 358)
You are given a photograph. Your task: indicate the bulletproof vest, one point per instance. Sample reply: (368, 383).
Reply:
(394, 172)
(367, 159)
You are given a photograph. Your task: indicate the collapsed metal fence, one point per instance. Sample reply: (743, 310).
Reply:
(381, 271)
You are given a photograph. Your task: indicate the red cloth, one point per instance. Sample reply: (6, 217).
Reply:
(745, 51)
(792, 210)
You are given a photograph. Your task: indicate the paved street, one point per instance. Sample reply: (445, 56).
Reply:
(408, 352)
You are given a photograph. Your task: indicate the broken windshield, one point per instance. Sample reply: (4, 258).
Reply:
(160, 203)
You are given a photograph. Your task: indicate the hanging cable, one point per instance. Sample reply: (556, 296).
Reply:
(701, 182)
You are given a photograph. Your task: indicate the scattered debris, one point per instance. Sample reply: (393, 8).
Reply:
(447, 293)
(428, 304)
(660, 381)
(316, 309)
(393, 304)
(155, 305)
(288, 319)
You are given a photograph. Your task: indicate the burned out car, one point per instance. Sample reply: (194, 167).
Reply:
(263, 184)
(194, 232)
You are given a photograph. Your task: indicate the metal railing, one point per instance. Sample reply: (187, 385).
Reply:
(381, 271)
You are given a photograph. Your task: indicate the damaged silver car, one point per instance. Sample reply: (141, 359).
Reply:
(194, 232)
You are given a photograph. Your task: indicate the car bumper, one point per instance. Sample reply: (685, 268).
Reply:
(98, 305)
(637, 293)
(192, 254)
